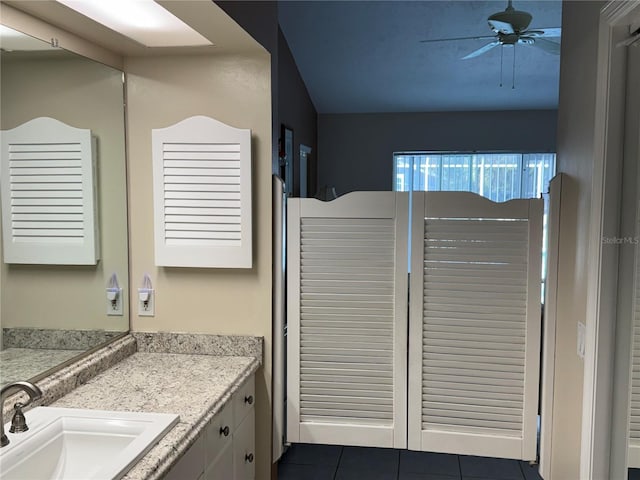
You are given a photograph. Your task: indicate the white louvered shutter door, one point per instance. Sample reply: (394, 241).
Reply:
(202, 194)
(347, 303)
(49, 194)
(634, 413)
(474, 325)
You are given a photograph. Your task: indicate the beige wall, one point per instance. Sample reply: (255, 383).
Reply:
(235, 90)
(576, 115)
(83, 94)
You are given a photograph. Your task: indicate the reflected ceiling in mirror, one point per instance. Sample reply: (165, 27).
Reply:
(52, 313)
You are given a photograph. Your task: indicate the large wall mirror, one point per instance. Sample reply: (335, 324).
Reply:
(50, 314)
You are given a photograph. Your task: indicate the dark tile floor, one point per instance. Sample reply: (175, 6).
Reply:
(331, 462)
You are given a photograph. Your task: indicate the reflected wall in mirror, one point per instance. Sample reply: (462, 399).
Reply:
(52, 313)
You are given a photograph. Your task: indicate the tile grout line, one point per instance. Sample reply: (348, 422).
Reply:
(459, 466)
(524, 477)
(335, 473)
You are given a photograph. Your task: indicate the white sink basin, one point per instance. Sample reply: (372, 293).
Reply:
(69, 443)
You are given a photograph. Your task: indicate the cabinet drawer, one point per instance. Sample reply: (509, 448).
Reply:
(244, 400)
(219, 433)
(244, 461)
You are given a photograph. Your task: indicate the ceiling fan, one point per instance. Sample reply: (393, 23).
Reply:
(510, 27)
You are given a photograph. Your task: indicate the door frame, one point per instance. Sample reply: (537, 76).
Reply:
(603, 270)
(626, 322)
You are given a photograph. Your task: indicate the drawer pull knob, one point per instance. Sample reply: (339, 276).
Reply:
(224, 431)
(249, 458)
(249, 399)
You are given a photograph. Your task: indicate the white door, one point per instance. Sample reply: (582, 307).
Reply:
(474, 329)
(550, 326)
(346, 315)
(632, 155)
(278, 312)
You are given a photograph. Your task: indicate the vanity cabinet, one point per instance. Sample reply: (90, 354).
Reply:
(226, 448)
(244, 421)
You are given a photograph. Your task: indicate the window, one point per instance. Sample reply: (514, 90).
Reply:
(497, 176)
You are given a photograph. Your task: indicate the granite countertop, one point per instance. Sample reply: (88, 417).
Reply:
(192, 386)
(20, 363)
(192, 375)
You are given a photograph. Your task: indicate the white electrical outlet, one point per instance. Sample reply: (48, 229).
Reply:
(114, 302)
(146, 302)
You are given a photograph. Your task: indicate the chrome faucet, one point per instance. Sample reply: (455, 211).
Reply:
(34, 394)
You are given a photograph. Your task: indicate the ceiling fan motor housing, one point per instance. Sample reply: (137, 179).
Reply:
(518, 20)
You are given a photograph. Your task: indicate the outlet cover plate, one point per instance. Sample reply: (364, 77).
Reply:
(115, 308)
(147, 309)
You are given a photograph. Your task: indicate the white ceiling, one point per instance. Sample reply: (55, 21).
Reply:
(366, 56)
(204, 16)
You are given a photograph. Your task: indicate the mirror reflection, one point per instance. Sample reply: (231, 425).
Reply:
(52, 313)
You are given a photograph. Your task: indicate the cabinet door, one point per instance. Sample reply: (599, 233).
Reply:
(219, 433)
(222, 467)
(191, 465)
(243, 401)
(202, 194)
(244, 449)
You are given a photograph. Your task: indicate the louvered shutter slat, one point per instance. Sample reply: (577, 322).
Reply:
(466, 344)
(338, 299)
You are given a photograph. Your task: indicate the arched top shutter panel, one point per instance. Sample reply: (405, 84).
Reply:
(49, 196)
(474, 353)
(202, 194)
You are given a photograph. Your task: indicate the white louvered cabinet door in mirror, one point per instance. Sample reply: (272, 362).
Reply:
(347, 328)
(474, 325)
(49, 196)
(202, 194)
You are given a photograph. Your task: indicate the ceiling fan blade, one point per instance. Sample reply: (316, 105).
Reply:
(502, 27)
(481, 50)
(547, 46)
(544, 32)
(483, 37)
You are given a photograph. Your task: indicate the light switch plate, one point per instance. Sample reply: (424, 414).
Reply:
(582, 339)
